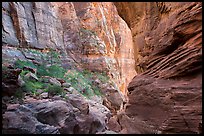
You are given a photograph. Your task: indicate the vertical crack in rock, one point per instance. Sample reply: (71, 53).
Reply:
(14, 17)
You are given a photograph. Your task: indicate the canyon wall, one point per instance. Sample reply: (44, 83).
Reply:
(87, 35)
(167, 92)
(157, 43)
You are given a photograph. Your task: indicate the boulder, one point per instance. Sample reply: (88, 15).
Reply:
(100, 113)
(39, 91)
(20, 120)
(44, 95)
(3, 107)
(71, 90)
(113, 124)
(54, 81)
(21, 82)
(67, 85)
(53, 113)
(48, 116)
(10, 81)
(97, 99)
(61, 80)
(78, 101)
(112, 97)
(57, 97)
(31, 76)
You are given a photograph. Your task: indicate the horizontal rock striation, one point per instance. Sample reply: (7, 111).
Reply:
(168, 45)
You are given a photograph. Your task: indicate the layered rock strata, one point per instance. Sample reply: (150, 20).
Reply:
(167, 38)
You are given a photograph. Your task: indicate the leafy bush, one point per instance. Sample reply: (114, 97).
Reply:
(21, 63)
(103, 77)
(4, 68)
(56, 71)
(82, 81)
(53, 57)
(96, 90)
(52, 71)
(42, 70)
(32, 86)
(79, 82)
(54, 89)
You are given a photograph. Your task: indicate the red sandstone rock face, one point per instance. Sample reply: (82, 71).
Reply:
(164, 29)
(91, 35)
(171, 106)
(167, 51)
(168, 45)
(112, 51)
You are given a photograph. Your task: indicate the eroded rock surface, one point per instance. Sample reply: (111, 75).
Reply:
(76, 115)
(167, 38)
(161, 41)
(172, 106)
(167, 44)
(87, 35)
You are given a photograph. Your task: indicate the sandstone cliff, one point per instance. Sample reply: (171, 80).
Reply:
(168, 54)
(81, 36)
(150, 50)
(88, 35)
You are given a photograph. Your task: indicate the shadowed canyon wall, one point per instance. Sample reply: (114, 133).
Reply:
(167, 92)
(151, 50)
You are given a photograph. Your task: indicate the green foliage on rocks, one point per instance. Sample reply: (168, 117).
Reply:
(52, 71)
(82, 81)
(21, 63)
(32, 86)
(54, 89)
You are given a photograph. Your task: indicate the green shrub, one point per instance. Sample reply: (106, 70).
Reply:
(56, 71)
(83, 82)
(52, 71)
(53, 57)
(103, 77)
(4, 68)
(87, 91)
(21, 63)
(88, 74)
(32, 86)
(54, 89)
(42, 70)
(96, 90)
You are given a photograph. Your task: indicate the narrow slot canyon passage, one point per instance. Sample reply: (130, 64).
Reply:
(101, 67)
